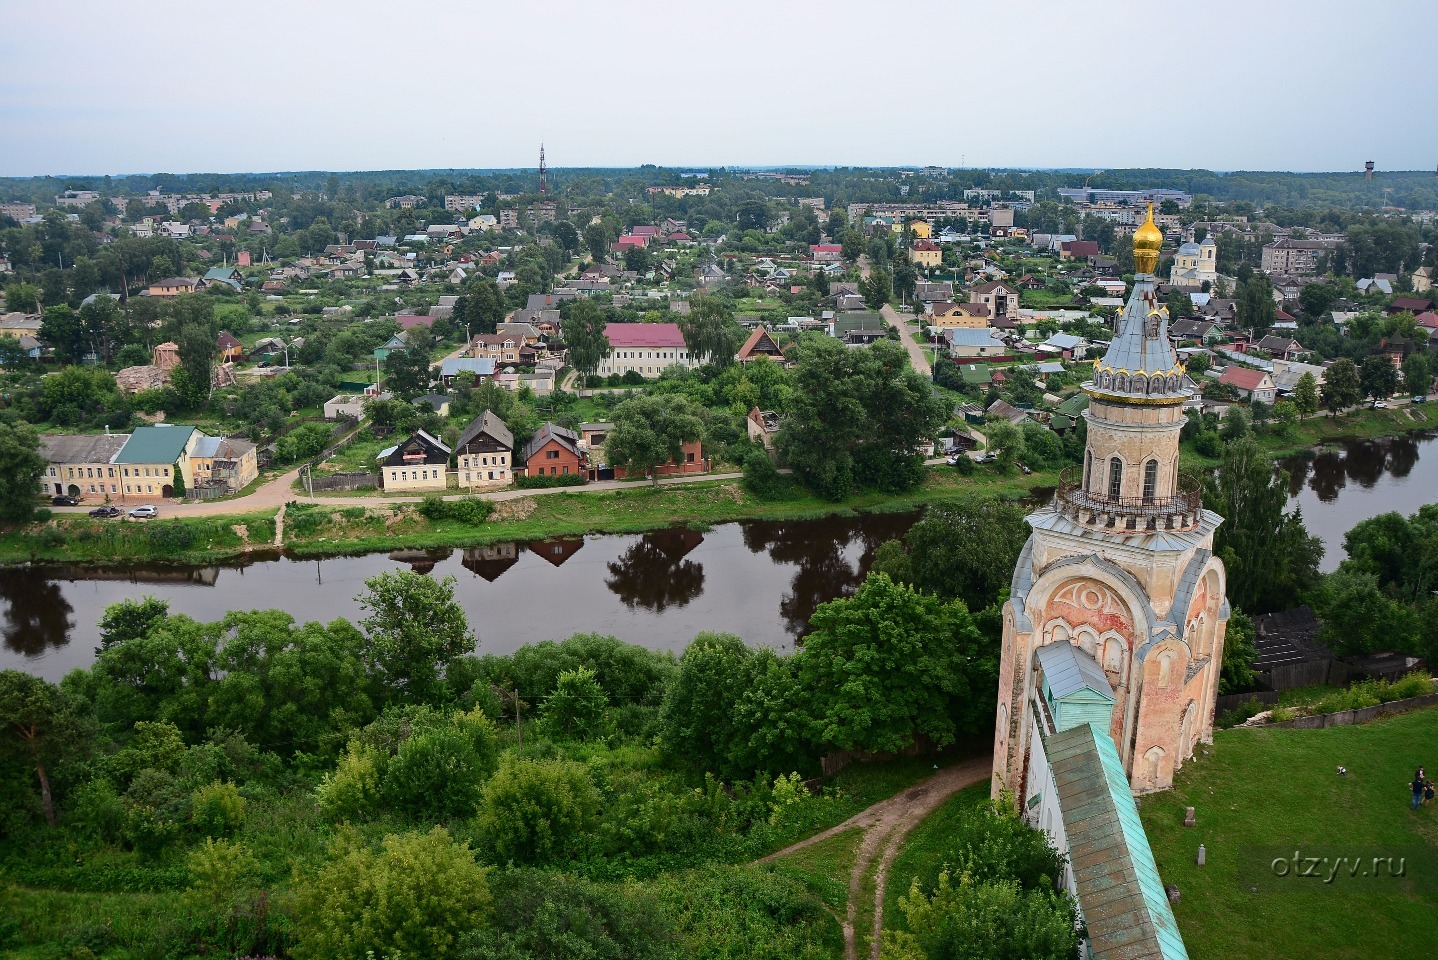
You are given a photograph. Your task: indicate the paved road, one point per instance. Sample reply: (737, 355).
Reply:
(918, 354)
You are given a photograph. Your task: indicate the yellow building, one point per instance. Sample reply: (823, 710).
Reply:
(81, 466)
(20, 325)
(419, 463)
(958, 316)
(148, 461)
(925, 253)
(219, 462)
(921, 229)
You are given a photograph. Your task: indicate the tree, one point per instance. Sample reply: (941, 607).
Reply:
(752, 215)
(652, 430)
(539, 811)
(964, 919)
(1179, 304)
(407, 372)
(1305, 396)
(597, 237)
(1341, 386)
(1317, 299)
(638, 260)
(415, 630)
(1255, 307)
(1006, 442)
(61, 329)
(578, 704)
(584, 336)
(889, 664)
(876, 288)
(906, 278)
(967, 549)
(1417, 373)
(1359, 618)
(710, 331)
(198, 351)
(415, 896)
(857, 417)
(1239, 652)
(1377, 377)
(1269, 555)
(482, 305)
(21, 467)
(697, 724)
(36, 721)
(568, 236)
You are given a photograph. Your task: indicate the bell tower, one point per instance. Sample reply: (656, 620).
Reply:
(1121, 562)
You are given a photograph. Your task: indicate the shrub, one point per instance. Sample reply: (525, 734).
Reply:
(537, 812)
(437, 774)
(217, 809)
(578, 705)
(1243, 712)
(469, 510)
(220, 872)
(761, 478)
(351, 790)
(544, 482)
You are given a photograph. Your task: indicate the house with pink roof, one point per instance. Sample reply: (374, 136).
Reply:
(645, 348)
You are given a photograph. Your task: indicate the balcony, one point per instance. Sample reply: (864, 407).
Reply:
(1128, 514)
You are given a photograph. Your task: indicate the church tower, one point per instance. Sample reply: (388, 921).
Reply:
(1121, 564)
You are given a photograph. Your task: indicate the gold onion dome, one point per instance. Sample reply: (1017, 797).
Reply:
(1147, 240)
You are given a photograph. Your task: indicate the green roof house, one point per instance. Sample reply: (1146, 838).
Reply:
(148, 460)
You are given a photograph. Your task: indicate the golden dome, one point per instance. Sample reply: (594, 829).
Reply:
(1147, 240)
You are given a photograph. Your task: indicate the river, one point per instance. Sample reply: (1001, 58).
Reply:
(758, 579)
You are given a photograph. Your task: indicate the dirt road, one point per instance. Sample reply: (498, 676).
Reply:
(885, 826)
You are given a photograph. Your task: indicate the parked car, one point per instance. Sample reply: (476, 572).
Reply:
(144, 512)
(65, 501)
(1379, 405)
(954, 460)
(989, 458)
(1420, 398)
(105, 512)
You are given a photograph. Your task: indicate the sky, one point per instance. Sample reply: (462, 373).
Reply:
(177, 86)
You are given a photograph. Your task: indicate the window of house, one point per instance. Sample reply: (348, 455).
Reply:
(551, 454)
(1150, 480)
(1115, 478)
(566, 470)
(689, 458)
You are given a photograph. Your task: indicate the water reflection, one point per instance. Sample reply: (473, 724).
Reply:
(654, 572)
(1367, 463)
(37, 615)
(492, 560)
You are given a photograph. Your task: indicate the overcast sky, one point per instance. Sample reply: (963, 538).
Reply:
(169, 86)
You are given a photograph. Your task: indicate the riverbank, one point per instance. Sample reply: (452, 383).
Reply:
(318, 528)
(1362, 423)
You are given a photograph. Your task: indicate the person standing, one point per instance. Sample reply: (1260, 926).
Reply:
(1418, 785)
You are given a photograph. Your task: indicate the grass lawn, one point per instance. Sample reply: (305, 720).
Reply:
(1321, 428)
(1259, 793)
(824, 867)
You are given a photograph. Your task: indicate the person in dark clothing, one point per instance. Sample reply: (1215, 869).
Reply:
(1419, 784)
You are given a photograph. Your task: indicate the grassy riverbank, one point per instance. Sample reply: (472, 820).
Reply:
(1361, 424)
(316, 528)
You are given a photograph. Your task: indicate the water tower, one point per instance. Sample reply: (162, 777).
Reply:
(1368, 170)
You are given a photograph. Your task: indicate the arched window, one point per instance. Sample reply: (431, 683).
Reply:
(1140, 384)
(1150, 480)
(1115, 478)
(1087, 471)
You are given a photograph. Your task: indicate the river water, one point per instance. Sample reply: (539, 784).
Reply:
(759, 579)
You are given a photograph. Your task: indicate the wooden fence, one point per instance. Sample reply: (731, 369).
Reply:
(346, 481)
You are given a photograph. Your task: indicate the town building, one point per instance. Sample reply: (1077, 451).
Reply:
(1298, 258)
(761, 343)
(420, 462)
(925, 253)
(172, 287)
(553, 451)
(17, 210)
(998, 298)
(763, 426)
(1120, 564)
(81, 466)
(646, 348)
(1249, 384)
(965, 343)
(484, 453)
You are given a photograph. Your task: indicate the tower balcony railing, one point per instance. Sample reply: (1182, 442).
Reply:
(1178, 512)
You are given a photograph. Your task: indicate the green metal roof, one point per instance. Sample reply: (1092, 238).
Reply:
(1119, 890)
(162, 444)
(976, 373)
(1074, 405)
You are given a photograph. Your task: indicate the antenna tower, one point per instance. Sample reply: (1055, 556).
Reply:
(543, 183)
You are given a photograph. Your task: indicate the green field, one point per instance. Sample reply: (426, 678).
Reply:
(1256, 792)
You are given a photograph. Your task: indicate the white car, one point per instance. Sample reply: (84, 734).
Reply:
(145, 512)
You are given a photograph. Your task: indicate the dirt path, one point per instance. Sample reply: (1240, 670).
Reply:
(885, 825)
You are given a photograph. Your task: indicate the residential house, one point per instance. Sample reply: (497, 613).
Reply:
(478, 367)
(760, 344)
(976, 374)
(965, 343)
(437, 402)
(1285, 348)
(998, 298)
(1007, 411)
(1253, 385)
(526, 333)
(226, 275)
(926, 291)
(926, 253)
(420, 462)
(920, 229)
(1423, 279)
(1287, 373)
(230, 349)
(150, 457)
(857, 327)
(173, 287)
(29, 346)
(763, 426)
(826, 252)
(1069, 346)
(397, 342)
(484, 454)
(1414, 305)
(1294, 257)
(20, 325)
(498, 347)
(221, 466)
(553, 451)
(1078, 250)
(81, 466)
(949, 315)
(646, 348)
(691, 460)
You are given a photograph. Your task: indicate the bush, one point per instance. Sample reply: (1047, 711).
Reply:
(217, 809)
(469, 510)
(578, 705)
(437, 774)
(544, 482)
(1243, 712)
(538, 812)
(762, 479)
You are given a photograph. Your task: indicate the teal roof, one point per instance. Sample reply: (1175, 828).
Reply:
(1119, 890)
(161, 444)
(976, 373)
(1074, 405)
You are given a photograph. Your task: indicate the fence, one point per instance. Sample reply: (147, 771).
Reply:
(346, 481)
(1347, 718)
(1232, 701)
